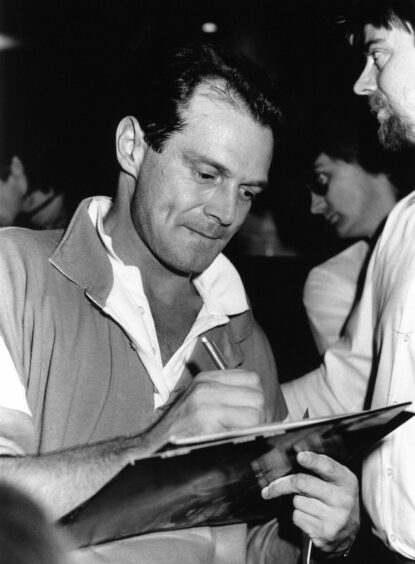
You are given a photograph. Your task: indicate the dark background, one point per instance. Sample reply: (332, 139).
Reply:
(80, 65)
(77, 71)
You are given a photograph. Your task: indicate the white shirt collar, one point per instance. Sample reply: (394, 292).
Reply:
(219, 286)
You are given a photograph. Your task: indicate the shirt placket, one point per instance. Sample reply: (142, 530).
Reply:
(401, 338)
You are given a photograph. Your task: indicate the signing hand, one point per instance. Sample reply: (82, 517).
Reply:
(326, 503)
(219, 400)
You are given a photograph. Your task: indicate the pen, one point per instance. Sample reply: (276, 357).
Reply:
(214, 353)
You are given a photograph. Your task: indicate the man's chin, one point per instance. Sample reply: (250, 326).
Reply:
(193, 266)
(394, 135)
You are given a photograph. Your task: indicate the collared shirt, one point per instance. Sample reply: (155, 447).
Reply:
(82, 376)
(379, 343)
(219, 286)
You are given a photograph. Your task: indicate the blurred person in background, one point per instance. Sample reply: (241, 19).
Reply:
(32, 179)
(354, 183)
(13, 189)
(26, 536)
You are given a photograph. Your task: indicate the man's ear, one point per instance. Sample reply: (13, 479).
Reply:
(131, 146)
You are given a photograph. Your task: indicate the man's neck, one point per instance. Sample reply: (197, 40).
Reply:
(159, 281)
(173, 299)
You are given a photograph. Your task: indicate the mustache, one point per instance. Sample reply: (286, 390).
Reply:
(376, 103)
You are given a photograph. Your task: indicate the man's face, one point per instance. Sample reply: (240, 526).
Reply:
(388, 79)
(194, 195)
(349, 204)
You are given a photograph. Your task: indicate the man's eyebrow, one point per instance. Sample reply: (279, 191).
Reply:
(260, 183)
(193, 157)
(371, 42)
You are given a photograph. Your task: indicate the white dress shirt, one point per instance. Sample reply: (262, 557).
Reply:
(329, 293)
(380, 343)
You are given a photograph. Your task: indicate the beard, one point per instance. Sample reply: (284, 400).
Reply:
(394, 133)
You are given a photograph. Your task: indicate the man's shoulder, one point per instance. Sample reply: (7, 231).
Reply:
(242, 325)
(403, 210)
(399, 230)
(28, 243)
(342, 267)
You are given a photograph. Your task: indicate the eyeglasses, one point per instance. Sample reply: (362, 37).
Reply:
(317, 183)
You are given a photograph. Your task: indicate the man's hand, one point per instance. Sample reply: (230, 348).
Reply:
(219, 400)
(326, 503)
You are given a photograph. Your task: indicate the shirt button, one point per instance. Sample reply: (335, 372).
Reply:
(389, 471)
(141, 310)
(406, 338)
(392, 538)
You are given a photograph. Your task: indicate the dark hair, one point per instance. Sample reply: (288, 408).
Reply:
(237, 79)
(379, 13)
(349, 141)
(354, 139)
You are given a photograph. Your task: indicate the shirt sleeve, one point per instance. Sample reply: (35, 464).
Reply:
(262, 361)
(15, 416)
(329, 294)
(16, 425)
(12, 391)
(340, 384)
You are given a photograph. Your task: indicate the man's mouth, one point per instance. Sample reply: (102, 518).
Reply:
(215, 232)
(378, 107)
(382, 114)
(375, 104)
(333, 218)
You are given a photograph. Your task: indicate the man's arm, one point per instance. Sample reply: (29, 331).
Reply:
(340, 384)
(216, 401)
(330, 291)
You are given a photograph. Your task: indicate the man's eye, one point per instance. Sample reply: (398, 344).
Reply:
(377, 57)
(247, 195)
(205, 176)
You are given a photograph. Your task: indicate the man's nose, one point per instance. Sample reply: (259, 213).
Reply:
(318, 204)
(366, 84)
(222, 206)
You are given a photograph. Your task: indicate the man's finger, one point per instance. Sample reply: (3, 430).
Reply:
(323, 466)
(307, 523)
(283, 486)
(302, 484)
(231, 377)
(215, 393)
(310, 506)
